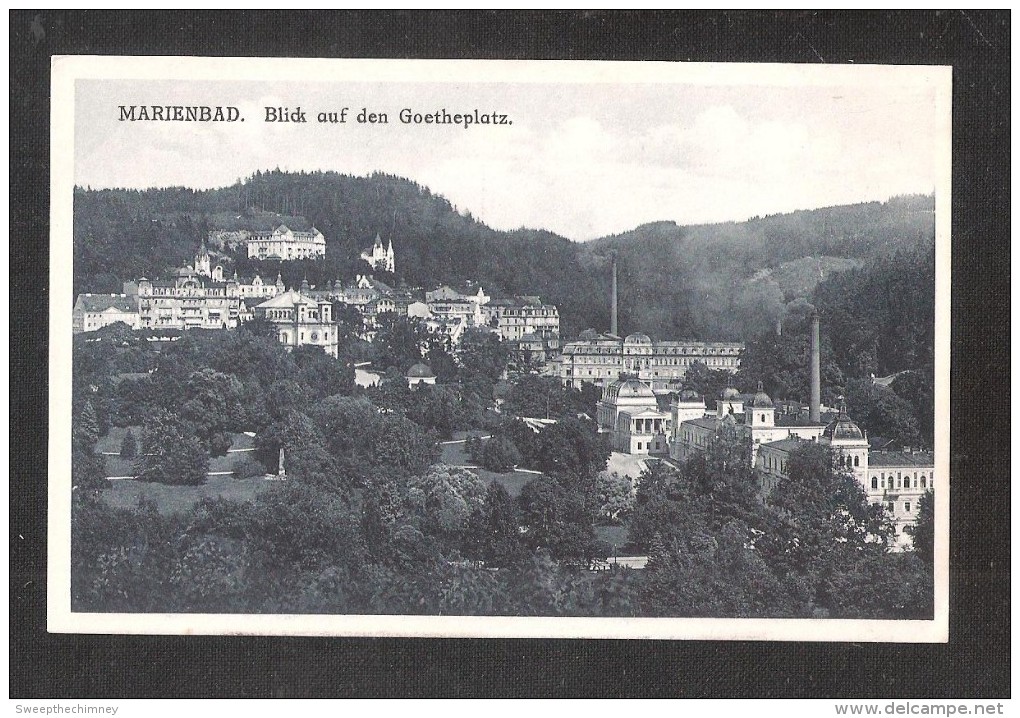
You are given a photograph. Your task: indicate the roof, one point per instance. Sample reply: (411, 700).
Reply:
(286, 300)
(787, 445)
(105, 302)
(761, 400)
(689, 395)
(795, 420)
(420, 371)
(924, 459)
(633, 387)
(843, 427)
(705, 422)
(638, 339)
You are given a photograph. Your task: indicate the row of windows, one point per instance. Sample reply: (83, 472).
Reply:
(904, 483)
(891, 506)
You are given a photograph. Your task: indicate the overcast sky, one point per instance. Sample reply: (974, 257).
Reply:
(580, 160)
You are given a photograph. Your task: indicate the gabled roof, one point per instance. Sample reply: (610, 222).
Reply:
(105, 302)
(787, 445)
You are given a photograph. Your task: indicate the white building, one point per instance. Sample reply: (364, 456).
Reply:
(381, 258)
(630, 413)
(95, 311)
(600, 359)
(301, 321)
(285, 244)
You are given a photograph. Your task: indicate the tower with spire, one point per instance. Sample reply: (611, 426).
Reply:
(380, 257)
(202, 261)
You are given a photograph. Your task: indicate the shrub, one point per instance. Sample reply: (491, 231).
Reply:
(249, 469)
(128, 446)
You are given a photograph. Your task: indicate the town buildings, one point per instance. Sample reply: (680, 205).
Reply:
(286, 244)
(530, 327)
(94, 311)
(301, 321)
(602, 358)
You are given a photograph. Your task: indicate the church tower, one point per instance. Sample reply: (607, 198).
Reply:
(203, 261)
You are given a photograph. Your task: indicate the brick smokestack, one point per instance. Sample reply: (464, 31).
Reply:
(614, 328)
(816, 371)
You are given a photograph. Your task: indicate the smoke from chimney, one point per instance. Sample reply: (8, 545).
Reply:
(816, 371)
(614, 328)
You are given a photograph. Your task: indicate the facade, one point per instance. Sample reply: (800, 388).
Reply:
(601, 359)
(285, 244)
(301, 321)
(255, 287)
(893, 480)
(195, 297)
(381, 258)
(751, 416)
(448, 304)
(630, 413)
(527, 325)
(95, 311)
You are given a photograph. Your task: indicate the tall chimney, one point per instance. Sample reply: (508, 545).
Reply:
(816, 371)
(614, 329)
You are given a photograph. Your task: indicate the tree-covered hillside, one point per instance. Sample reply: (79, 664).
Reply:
(723, 281)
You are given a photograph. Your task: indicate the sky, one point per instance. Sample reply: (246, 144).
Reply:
(582, 160)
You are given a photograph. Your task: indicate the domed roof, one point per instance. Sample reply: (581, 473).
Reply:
(689, 395)
(420, 371)
(761, 400)
(635, 388)
(730, 393)
(842, 427)
(638, 339)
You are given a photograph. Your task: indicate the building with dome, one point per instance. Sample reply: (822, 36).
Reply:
(752, 416)
(420, 374)
(301, 321)
(633, 416)
(600, 359)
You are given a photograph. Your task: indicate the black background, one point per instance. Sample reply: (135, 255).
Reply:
(976, 662)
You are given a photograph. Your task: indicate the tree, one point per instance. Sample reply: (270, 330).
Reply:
(128, 446)
(923, 530)
(304, 447)
(85, 430)
(714, 573)
(321, 374)
(482, 353)
(500, 455)
(171, 453)
(558, 520)
(615, 496)
(445, 498)
(495, 534)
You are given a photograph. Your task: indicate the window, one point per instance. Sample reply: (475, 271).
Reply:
(874, 482)
(924, 482)
(857, 461)
(892, 506)
(906, 507)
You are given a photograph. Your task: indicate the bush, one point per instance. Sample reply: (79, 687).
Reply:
(500, 455)
(219, 444)
(128, 446)
(249, 469)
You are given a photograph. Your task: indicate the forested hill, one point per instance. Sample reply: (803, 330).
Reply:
(713, 282)
(734, 280)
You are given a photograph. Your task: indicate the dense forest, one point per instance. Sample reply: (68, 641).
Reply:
(714, 282)
(370, 519)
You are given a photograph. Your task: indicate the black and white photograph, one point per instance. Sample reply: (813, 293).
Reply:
(498, 348)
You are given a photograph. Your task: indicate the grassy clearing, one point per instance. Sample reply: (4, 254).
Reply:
(116, 466)
(178, 499)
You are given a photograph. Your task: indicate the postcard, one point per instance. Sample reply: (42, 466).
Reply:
(499, 348)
